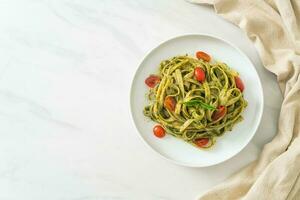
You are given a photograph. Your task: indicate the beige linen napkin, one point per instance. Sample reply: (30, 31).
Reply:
(274, 28)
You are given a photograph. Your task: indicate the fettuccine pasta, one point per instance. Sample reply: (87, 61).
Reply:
(194, 99)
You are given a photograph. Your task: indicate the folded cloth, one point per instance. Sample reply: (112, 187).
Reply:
(274, 28)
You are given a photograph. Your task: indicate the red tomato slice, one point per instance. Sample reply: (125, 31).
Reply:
(199, 74)
(201, 142)
(170, 103)
(159, 131)
(219, 113)
(202, 55)
(239, 83)
(152, 81)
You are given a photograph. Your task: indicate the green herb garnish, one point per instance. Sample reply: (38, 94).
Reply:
(199, 103)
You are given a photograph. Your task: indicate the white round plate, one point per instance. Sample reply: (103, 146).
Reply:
(231, 142)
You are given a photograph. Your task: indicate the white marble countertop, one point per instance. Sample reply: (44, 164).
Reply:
(65, 72)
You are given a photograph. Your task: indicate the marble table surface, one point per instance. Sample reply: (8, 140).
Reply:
(65, 72)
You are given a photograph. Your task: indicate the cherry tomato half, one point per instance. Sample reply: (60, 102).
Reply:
(219, 113)
(170, 103)
(199, 74)
(201, 142)
(159, 131)
(202, 55)
(152, 81)
(239, 83)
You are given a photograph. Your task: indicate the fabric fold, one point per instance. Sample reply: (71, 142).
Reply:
(273, 27)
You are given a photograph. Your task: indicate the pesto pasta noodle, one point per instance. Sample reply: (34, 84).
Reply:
(192, 107)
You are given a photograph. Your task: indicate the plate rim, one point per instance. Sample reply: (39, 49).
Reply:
(261, 107)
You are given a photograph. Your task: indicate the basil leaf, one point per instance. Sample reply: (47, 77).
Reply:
(195, 102)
